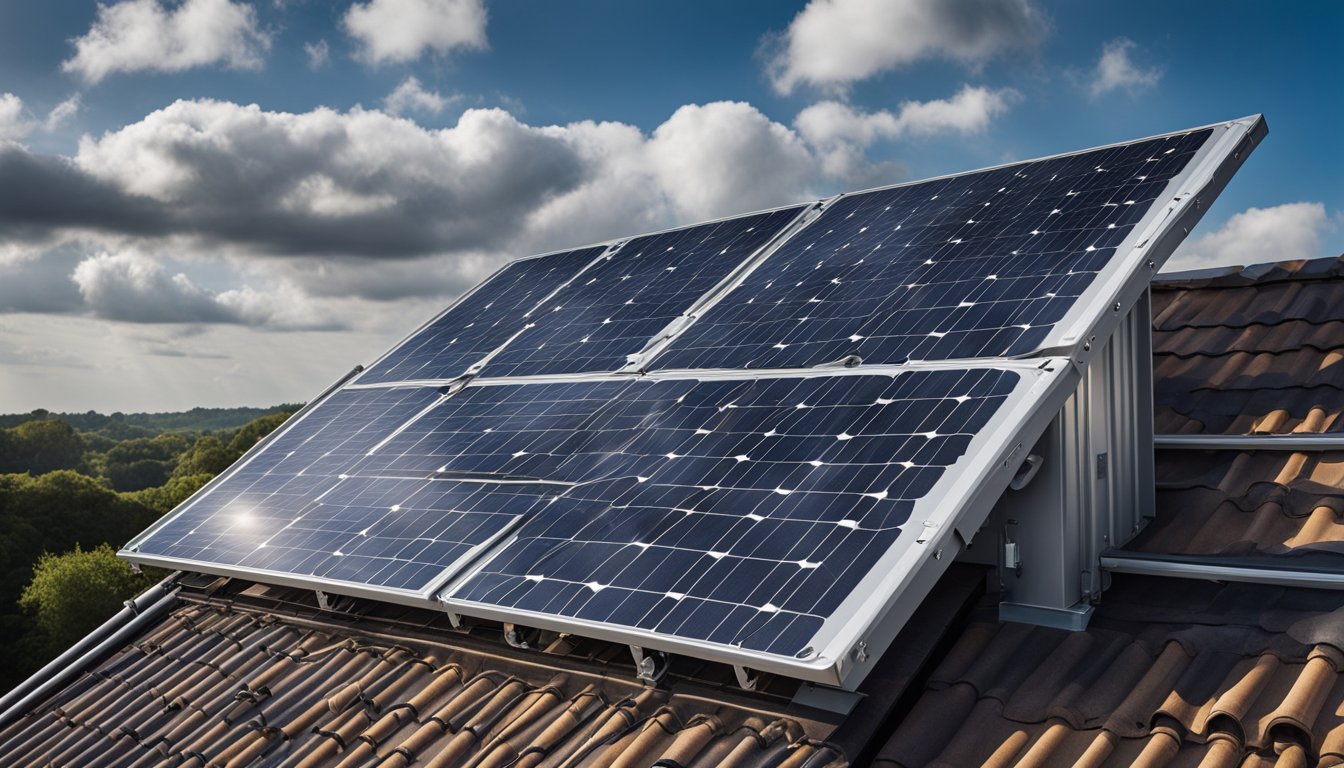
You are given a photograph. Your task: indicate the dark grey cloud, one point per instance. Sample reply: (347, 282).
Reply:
(42, 193)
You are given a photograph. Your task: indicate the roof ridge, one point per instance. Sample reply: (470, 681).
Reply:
(1265, 273)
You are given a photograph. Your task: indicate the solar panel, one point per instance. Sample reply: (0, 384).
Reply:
(304, 506)
(481, 321)
(626, 299)
(729, 495)
(738, 512)
(971, 266)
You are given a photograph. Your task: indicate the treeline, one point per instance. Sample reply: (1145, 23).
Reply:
(69, 497)
(150, 424)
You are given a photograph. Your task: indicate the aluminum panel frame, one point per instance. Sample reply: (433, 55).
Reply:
(867, 621)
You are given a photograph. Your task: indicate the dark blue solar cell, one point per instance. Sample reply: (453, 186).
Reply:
(622, 302)
(779, 493)
(978, 265)
(481, 322)
(300, 506)
(742, 512)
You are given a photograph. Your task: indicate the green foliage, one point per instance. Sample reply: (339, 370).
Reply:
(163, 498)
(143, 462)
(128, 425)
(52, 513)
(71, 594)
(40, 446)
(207, 456)
(248, 436)
(130, 473)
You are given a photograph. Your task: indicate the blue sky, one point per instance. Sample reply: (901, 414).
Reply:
(168, 244)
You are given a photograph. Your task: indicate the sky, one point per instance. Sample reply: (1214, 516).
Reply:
(233, 202)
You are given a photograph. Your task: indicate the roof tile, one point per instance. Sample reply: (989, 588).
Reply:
(220, 686)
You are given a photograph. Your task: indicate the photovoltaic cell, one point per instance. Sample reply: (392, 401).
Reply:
(295, 507)
(978, 265)
(393, 487)
(737, 512)
(623, 301)
(481, 322)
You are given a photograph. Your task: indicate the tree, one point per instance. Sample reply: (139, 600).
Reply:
(71, 594)
(207, 455)
(54, 512)
(249, 434)
(163, 498)
(41, 446)
(143, 462)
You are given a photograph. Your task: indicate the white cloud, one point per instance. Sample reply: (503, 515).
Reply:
(410, 96)
(367, 183)
(14, 121)
(1279, 233)
(722, 157)
(214, 212)
(145, 35)
(833, 43)
(136, 288)
(841, 133)
(1116, 70)
(61, 113)
(402, 30)
(319, 54)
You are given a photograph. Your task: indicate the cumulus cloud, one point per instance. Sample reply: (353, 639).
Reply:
(364, 183)
(1278, 233)
(726, 156)
(302, 211)
(146, 35)
(17, 123)
(410, 96)
(133, 287)
(14, 122)
(833, 43)
(842, 133)
(1116, 70)
(318, 53)
(402, 30)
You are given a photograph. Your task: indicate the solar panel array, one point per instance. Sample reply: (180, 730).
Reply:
(973, 266)
(621, 302)
(742, 508)
(737, 512)
(481, 322)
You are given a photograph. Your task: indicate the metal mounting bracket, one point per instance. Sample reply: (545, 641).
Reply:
(650, 666)
(747, 679)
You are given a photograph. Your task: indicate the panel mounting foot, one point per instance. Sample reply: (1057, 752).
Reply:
(650, 666)
(1073, 618)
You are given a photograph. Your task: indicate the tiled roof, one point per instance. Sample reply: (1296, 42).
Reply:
(1259, 350)
(1168, 673)
(1253, 351)
(217, 683)
(1248, 506)
(1188, 673)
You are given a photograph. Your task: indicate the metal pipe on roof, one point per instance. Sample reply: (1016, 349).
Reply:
(1293, 442)
(147, 607)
